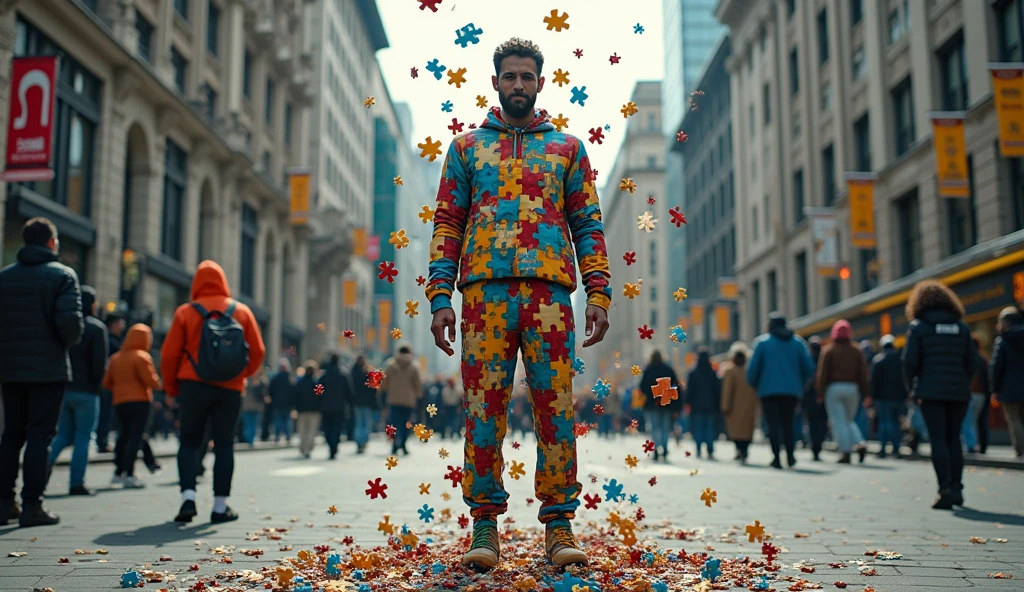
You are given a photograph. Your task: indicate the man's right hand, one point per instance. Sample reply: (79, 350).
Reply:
(444, 319)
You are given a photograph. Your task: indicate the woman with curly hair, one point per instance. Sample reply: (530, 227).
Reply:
(938, 362)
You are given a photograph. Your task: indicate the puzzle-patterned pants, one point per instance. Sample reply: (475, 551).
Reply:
(500, 318)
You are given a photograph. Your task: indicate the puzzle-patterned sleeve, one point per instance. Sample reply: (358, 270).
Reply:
(453, 197)
(587, 230)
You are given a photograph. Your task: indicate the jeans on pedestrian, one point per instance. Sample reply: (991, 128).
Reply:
(842, 400)
(660, 425)
(945, 420)
(917, 423)
(778, 412)
(889, 413)
(704, 430)
(31, 411)
(78, 417)
(817, 422)
(398, 417)
(133, 417)
(969, 431)
(250, 424)
(364, 418)
(200, 402)
(282, 424)
(862, 420)
(105, 418)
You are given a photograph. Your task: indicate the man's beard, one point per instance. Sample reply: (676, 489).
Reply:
(517, 109)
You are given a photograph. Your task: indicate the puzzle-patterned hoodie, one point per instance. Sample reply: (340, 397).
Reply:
(511, 204)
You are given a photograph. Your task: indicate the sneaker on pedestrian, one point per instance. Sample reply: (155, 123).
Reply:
(133, 482)
(484, 551)
(862, 451)
(844, 459)
(958, 497)
(155, 469)
(776, 464)
(9, 510)
(561, 546)
(117, 479)
(228, 515)
(186, 512)
(37, 515)
(945, 501)
(81, 490)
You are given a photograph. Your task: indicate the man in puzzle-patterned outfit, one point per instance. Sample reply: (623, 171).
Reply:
(516, 197)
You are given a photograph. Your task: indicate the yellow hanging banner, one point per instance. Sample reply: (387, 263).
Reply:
(1008, 89)
(860, 188)
(384, 313)
(359, 241)
(723, 322)
(728, 288)
(691, 359)
(298, 184)
(350, 292)
(950, 153)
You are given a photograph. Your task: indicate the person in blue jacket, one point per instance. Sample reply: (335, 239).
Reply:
(779, 370)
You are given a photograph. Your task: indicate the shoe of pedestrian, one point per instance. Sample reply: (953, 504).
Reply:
(711, 456)
(881, 454)
(105, 449)
(186, 512)
(81, 490)
(228, 515)
(155, 469)
(945, 501)
(656, 455)
(862, 452)
(485, 550)
(958, 497)
(817, 456)
(791, 461)
(776, 464)
(844, 459)
(117, 479)
(9, 510)
(561, 545)
(37, 515)
(133, 482)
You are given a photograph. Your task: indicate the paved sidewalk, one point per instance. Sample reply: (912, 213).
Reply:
(819, 513)
(162, 448)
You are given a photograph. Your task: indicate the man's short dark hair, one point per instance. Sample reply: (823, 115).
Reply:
(405, 349)
(38, 231)
(523, 48)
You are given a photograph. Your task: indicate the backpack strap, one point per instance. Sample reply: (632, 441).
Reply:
(199, 308)
(231, 309)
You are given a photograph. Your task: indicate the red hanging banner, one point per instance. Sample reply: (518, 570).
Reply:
(30, 121)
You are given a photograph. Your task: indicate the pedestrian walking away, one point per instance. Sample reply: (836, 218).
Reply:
(452, 398)
(40, 320)
(979, 395)
(80, 410)
(282, 400)
(739, 401)
(703, 395)
(1006, 372)
(842, 376)
(938, 362)
(364, 404)
(131, 377)
(512, 252)
(116, 326)
(253, 406)
(208, 380)
(404, 391)
(307, 407)
(336, 402)
(779, 370)
(889, 394)
(660, 417)
(813, 404)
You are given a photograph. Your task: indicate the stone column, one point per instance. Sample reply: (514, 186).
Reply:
(980, 48)
(881, 119)
(234, 62)
(273, 303)
(922, 62)
(162, 45)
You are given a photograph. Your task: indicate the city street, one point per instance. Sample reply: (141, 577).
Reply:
(817, 514)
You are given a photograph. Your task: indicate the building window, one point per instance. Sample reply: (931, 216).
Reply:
(963, 232)
(773, 291)
(953, 66)
(767, 214)
(868, 269)
(1011, 30)
(903, 104)
(247, 75)
(654, 293)
(267, 162)
(823, 36)
(212, 28)
(755, 305)
(209, 97)
(859, 63)
(798, 196)
(268, 103)
(250, 230)
(790, 8)
(76, 121)
(751, 117)
(794, 72)
(828, 175)
(181, 7)
(175, 181)
(144, 29)
(654, 258)
(832, 291)
(766, 93)
(756, 222)
(801, 284)
(862, 143)
(287, 124)
(652, 122)
(654, 318)
(826, 97)
(856, 11)
(908, 216)
(180, 65)
(895, 26)
(797, 128)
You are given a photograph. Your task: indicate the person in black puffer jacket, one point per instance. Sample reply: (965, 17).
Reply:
(336, 401)
(660, 417)
(364, 404)
(307, 407)
(703, 395)
(813, 405)
(81, 405)
(1006, 373)
(889, 394)
(40, 319)
(938, 362)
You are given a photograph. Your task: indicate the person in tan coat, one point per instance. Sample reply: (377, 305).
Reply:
(739, 401)
(403, 388)
(131, 377)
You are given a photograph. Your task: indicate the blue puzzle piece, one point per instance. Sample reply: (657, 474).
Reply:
(579, 95)
(436, 67)
(578, 366)
(130, 579)
(638, 29)
(678, 335)
(447, 106)
(334, 565)
(633, 499)
(602, 389)
(468, 34)
(426, 513)
(613, 491)
(711, 570)
(568, 581)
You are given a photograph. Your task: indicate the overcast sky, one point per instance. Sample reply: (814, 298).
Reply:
(599, 27)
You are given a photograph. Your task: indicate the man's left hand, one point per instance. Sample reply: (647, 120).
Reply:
(597, 324)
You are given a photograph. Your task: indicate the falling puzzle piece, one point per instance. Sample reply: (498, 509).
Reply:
(436, 68)
(468, 34)
(556, 22)
(579, 95)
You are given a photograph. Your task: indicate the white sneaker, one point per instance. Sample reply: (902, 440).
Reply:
(117, 480)
(133, 482)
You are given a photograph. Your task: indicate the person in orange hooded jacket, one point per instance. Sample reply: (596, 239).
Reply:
(199, 401)
(131, 378)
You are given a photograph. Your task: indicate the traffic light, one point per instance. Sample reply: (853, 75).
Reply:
(844, 273)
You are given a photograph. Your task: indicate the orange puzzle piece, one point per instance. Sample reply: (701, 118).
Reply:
(665, 391)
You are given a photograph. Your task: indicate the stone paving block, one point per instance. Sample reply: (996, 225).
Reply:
(18, 582)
